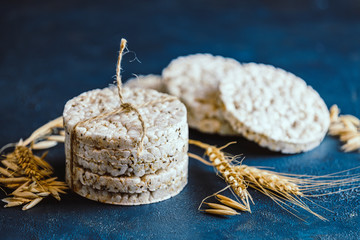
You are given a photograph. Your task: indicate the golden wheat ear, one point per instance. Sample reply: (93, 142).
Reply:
(347, 128)
(225, 169)
(29, 175)
(286, 190)
(292, 189)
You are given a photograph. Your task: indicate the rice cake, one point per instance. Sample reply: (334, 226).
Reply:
(150, 81)
(274, 108)
(195, 79)
(131, 198)
(120, 163)
(149, 182)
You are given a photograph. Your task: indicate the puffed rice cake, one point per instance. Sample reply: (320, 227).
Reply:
(274, 108)
(106, 149)
(195, 79)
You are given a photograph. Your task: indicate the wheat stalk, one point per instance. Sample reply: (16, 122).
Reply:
(347, 127)
(283, 189)
(29, 174)
(226, 170)
(292, 188)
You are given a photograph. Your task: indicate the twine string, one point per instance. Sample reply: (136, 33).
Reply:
(118, 69)
(124, 107)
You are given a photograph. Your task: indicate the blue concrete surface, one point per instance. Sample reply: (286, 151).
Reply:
(53, 51)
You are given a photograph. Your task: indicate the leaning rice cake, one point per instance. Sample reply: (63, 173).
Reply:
(274, 108)
(195, 79)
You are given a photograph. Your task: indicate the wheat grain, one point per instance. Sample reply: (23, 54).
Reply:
(14, 204)
(54, 193)
(220, 207)
(43, 194)
(32, 203)
(334, 113)
(10, 165)
(231, 203)
(221, 212)
(6, 172)
(26, 194)
(15, 199)
(12, 180)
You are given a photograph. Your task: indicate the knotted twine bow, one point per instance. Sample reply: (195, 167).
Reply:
(124, 107)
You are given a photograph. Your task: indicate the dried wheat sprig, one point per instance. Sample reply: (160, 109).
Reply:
(284, 189)
(292, 188)
(226, 169)
(33, 167)
(347, 127)
(29, 174)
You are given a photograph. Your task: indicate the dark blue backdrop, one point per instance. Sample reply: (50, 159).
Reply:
(53, 51)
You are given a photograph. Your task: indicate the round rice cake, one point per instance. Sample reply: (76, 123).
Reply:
(131, 198)
(195, 79)
(274, 108)
(149, 182)
(150, 81)
(116, 163)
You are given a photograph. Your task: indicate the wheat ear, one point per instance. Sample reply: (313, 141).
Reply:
(292, 188)
(347, 127)
(29, 174)
(226, 170)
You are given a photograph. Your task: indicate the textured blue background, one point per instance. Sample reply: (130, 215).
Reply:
(51, 52)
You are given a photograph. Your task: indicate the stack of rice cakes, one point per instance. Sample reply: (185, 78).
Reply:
(103, 161)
